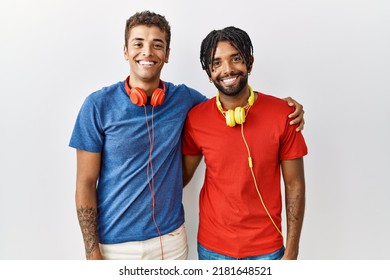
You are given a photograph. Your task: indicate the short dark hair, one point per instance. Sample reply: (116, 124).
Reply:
(237, 37)
(148, 18)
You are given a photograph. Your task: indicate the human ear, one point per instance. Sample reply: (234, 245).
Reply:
(251, 64)
(167, 55)
(125, 53)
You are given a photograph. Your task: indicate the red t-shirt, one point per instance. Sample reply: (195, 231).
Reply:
(232, 219)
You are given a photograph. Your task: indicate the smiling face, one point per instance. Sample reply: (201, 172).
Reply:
(146, 51)
(229, 72)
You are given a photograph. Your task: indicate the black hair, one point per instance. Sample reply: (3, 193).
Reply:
(238, 38)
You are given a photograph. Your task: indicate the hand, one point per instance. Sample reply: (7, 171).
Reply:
(297, 115)
(289, 256)
(285, 258)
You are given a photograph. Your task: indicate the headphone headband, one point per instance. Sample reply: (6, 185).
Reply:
(237, 115)
(138, 96)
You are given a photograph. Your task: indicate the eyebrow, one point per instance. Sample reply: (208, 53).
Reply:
(142, 39)
(232, 55)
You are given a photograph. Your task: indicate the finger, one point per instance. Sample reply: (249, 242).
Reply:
(301, 124)
(297, 120)
(300, 121)
(289, 101)
(297, 112)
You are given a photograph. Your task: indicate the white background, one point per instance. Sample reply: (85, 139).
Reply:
(332, 56)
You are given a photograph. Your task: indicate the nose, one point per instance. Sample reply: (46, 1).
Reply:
(147, 50)
(227, 67)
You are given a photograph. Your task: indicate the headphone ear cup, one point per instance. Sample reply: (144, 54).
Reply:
(239, 115)
(138, 96)
(230, 118)
(158, 97)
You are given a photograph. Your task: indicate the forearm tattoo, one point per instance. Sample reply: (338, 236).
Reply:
(292, 209)
(293, 219)
(87, 219)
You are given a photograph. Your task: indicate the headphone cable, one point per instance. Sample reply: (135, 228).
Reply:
(250, 162)
(151, 180)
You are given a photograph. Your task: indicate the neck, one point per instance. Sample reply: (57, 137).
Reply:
(243, 99)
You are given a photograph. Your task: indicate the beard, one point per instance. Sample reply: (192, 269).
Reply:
(234, 90)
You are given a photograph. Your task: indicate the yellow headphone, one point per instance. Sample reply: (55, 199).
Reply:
(236, 116)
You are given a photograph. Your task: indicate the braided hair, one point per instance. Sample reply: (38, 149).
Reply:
(238, 38)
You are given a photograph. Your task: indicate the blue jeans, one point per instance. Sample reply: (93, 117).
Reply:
(205, 254)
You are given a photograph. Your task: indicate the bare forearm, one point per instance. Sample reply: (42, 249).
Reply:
(295, 209)
(88, 168)
(87, 216)
(87, 219)
(294, 180)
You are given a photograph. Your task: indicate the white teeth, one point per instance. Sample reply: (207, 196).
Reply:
(229, 81)
(148, 63)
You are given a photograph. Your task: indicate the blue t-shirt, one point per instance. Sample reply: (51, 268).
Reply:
(109, 123)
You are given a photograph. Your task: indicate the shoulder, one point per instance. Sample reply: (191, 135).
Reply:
(273, 103)
(202, 108)
(263, 97)
(176, 87)
(184, 91)
(108, 90)
(107, 93)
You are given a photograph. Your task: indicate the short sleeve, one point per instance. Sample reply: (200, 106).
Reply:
(293, 144)
(88, 133)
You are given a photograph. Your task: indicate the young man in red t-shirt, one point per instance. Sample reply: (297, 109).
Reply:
(246, 139)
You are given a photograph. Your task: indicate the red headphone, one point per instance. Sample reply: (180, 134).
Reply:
(139, 98)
